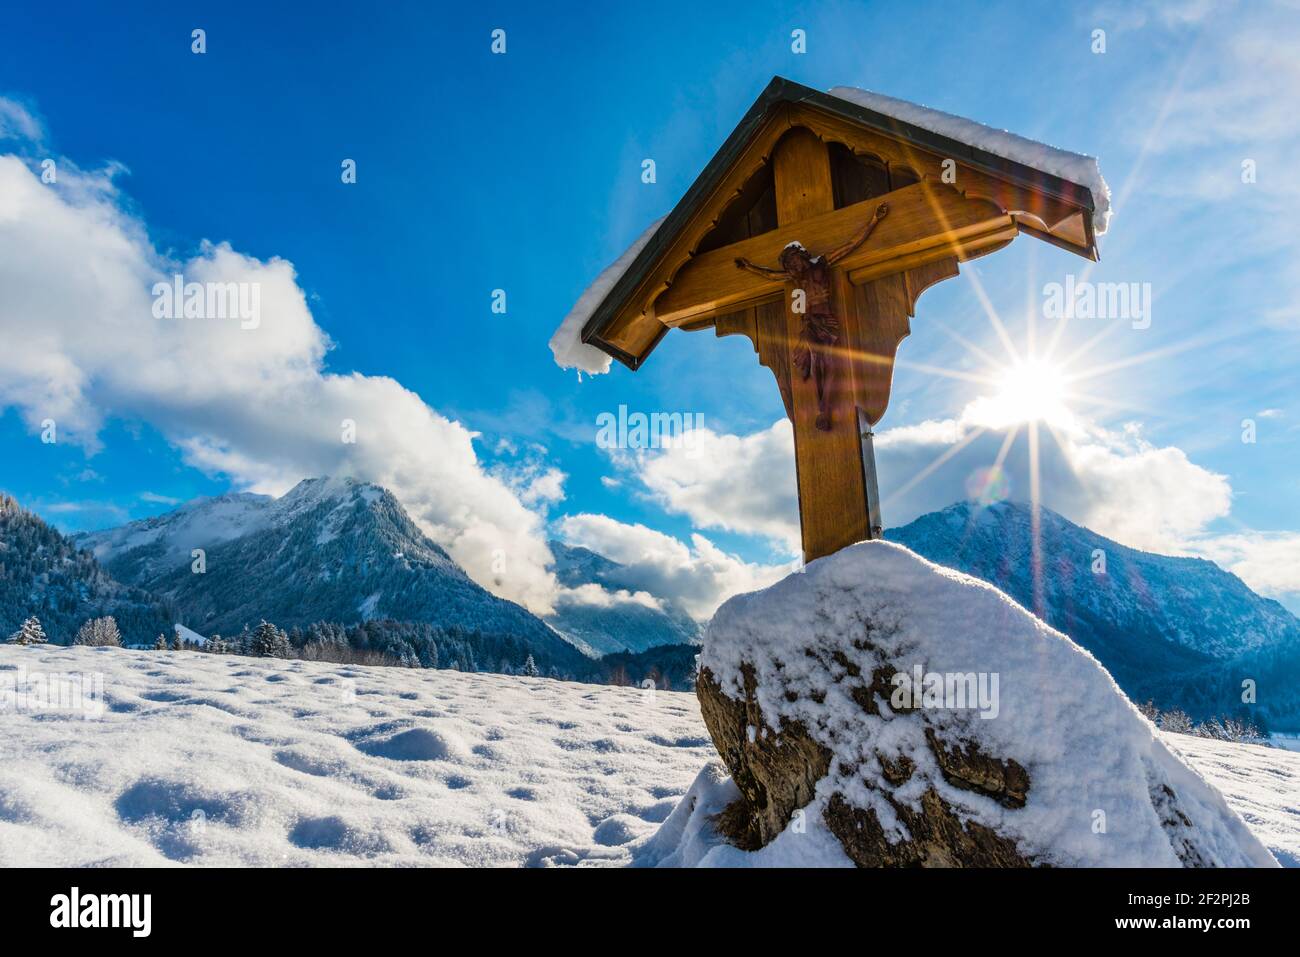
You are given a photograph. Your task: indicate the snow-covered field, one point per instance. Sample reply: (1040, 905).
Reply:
(214, 760)
(1261, 784)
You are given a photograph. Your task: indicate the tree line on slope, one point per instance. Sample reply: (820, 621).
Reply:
(1239, 730)
(44, 575)
(410, 645)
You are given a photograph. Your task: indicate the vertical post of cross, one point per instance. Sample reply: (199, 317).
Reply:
(834, 508)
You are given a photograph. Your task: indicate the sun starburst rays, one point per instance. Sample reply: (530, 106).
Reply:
(1022, 391)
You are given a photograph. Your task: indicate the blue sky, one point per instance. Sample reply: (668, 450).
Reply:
(522, 172)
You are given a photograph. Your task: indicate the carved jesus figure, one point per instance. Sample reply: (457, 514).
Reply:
(819, 327)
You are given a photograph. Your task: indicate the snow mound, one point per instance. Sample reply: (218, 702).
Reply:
(419, 744)
(1104, 790)
(687, 838)
(1260, 784)
(220, 760)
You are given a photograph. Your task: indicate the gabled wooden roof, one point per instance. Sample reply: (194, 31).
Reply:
(1041, 204)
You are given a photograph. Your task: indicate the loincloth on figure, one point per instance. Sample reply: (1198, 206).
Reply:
(814, 356)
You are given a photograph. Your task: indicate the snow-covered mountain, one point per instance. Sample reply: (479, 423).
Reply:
(1155, 621)
(616, 617)
(1180, 631)
(344, 551)
(153, 547)
(44, 573)
(331, 549)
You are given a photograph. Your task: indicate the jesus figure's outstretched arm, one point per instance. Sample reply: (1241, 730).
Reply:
(835, 255)
(761, 270)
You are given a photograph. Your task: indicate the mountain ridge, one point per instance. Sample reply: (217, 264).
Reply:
(1177, 630)
(157, 554)
(44, 573)
(640, 621)
(1162, 625)
(330, 549)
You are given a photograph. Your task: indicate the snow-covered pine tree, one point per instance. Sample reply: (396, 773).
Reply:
(29, 633)
(530, 668)
(267, 641)
(99, 632)
(1243, 731)
(1176, 720)
(160, 644)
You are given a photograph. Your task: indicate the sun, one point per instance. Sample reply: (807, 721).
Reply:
(1027, 390)
(1035, 386)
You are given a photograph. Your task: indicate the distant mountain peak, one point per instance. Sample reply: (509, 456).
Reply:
(338, 487)
(616, 625)
(1149, 618)
(333, 549)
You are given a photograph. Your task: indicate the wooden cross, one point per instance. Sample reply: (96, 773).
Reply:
(782, 179)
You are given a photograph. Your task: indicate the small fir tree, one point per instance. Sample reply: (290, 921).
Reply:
(267, 641)
(99, 632)
(29, 633)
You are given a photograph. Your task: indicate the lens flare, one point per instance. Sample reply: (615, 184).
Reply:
(985, 486)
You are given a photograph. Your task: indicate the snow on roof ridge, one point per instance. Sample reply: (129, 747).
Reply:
(566, 344)
(1078, 168)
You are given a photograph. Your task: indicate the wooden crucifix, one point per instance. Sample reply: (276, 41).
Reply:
(815, 355)
(813, 232)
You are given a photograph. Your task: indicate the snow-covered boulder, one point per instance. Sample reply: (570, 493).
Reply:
(918, 716)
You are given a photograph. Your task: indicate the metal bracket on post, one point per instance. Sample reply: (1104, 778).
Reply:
(872, 486)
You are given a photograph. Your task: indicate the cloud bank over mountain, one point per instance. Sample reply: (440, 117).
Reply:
(259, 405)
(1111, 480)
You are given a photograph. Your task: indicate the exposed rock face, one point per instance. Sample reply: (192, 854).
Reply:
(777, 774)
(911, 716)
(777, 771)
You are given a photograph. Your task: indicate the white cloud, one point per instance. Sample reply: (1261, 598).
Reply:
(542, 486)
(699, 576)
(18, 123)
(729, 482)
(79, 512)
(82, 345)
(1212, 106)
(157, 499)
(1267, 561)
(1135, 14)
(595, 595)
(1114, 482)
